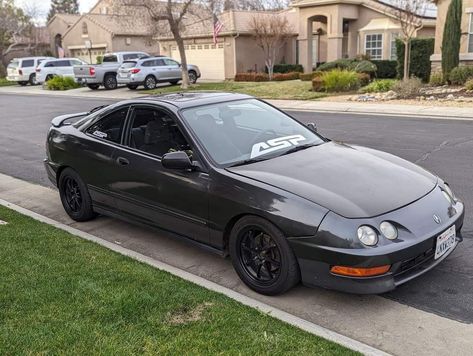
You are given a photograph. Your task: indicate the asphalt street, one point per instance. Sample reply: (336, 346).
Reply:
(444, 147)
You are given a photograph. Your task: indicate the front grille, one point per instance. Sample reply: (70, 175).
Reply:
(416, 261)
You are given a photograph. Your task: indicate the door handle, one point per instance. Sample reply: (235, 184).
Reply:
(123, 161)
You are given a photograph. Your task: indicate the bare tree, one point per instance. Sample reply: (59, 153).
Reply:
(14, 24)
(270, 32)
(409, 13)
(169, 16)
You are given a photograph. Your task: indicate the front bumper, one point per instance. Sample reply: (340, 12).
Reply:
(51, 171)
(410, 256)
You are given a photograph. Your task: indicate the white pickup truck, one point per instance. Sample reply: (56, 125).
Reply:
(106, 73)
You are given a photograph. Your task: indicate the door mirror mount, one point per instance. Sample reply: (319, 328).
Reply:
(177, 160)
(312, 126)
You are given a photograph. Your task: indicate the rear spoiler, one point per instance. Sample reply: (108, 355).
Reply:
(61, 120)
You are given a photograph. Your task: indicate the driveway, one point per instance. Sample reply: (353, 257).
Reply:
(437, 303)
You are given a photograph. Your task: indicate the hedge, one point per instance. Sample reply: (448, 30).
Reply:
(251, 77)
(287, 68)
(386, 69)
(286, 76)
(421, 50)
(460, 75)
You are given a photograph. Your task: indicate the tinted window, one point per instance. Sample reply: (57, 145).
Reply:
(110, 59)
(153, 131)
(160, 62)
(50, 64)
(64, 63)
(110, 127)
(149, 64)
(235, 131)
(170, 62)
(27, 63)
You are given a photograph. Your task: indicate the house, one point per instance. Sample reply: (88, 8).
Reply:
(323, 30)
(103, 29)
(466, 43)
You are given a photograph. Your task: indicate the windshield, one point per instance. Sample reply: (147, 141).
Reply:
(238, 131)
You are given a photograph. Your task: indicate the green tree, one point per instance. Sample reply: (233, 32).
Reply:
(63, 7)
(451, 38)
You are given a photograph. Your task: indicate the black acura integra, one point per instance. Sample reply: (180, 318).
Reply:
(239, 176)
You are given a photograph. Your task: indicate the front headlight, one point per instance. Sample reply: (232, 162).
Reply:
(388, 230)
(367, 235)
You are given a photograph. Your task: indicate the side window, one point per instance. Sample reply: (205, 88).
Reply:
(110, 59)
(50, 64)
(63, 64)
(148, 64)
(170, 62)
(27, 63)
(160, 63)
(110, 127)
(155, 132)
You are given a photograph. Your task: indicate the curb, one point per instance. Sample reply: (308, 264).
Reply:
(248, 301)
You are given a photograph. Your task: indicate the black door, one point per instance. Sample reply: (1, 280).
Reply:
(170, 199)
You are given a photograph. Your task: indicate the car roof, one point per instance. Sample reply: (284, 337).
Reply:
(27, 58)
(199, 98)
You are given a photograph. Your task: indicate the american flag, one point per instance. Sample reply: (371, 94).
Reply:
(217, 28)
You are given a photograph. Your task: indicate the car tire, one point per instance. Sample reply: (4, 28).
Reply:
(110, 82)
(93, 86)
(174, 82)
(150, 82)
(75, 196)
(132, 87)
(23, 84)
(32, 79)
(262, 257)
(192, 77)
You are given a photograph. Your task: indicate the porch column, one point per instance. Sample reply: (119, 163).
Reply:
(305, 47)
(335, 37)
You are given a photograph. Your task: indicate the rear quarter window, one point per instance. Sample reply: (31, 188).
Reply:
(27, 63)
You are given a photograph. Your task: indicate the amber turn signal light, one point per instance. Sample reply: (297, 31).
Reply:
(359, 271)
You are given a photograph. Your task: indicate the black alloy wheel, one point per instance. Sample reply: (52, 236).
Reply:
(150, 82)
(75, 196)
(110, 82)
(262, 256)
(192, 77)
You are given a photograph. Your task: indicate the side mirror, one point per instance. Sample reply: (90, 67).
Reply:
(312, 126)
(176, 160)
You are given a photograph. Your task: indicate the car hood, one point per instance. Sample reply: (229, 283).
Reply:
(352, 181)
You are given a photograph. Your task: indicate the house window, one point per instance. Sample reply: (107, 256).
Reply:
(470, 35)
(374, 46)
(85, 30)
(393, 55)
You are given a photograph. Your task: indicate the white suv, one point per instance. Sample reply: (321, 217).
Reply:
(62, 67)
(22, 70)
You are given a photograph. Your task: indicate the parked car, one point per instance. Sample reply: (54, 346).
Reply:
(23, 70)
(106, 73)
(50, 68)
(241, 177)
(151, 71)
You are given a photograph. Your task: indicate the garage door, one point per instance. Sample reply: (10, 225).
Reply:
(208, 57)
(83, 54)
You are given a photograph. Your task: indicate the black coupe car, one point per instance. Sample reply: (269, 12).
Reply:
(239, 176)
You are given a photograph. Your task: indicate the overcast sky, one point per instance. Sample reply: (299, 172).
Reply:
(43, 6)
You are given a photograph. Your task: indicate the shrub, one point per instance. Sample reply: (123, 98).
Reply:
(61, 83)
(452, 34)
(251, 77)
(421, 50)
(365, 67)
(287, 68)
(317, 84)
(364, 79)
(99, 59)
(339, 80)
(379, 86)
(386, 69)
(436, 79)
(3, 71)
(309, 76)
(338, 64)
(460, 75)
(407, 88)
(286, 76)
(469, 84)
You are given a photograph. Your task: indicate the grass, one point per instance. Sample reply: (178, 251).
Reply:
(290, 89)
(5, 83)
(63, 295)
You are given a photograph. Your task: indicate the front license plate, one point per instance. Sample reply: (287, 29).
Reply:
(445, 241)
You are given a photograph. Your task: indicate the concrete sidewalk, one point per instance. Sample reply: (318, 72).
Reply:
(368, 108)
(373, 320)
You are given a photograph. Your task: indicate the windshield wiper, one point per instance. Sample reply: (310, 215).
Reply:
(247, 161)
(299, 148)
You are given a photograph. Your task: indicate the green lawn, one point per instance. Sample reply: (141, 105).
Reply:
(290, 89)
(63, 295)
(4, 82)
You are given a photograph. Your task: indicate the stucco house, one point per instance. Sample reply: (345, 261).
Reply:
(101, 30)
(466, 44)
